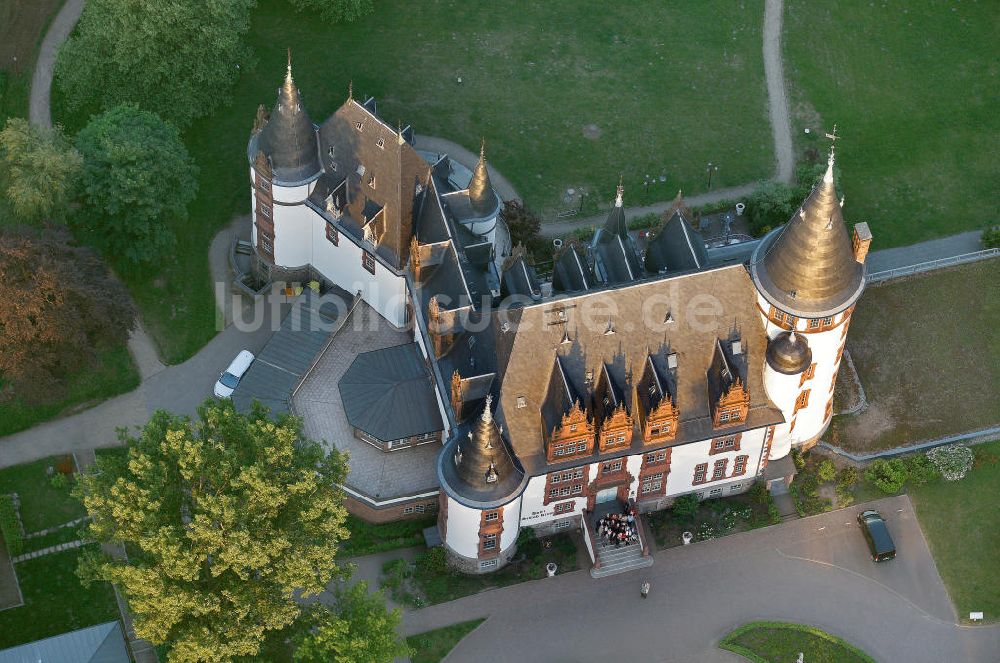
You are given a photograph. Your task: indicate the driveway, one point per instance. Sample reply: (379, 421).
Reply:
(815, 570)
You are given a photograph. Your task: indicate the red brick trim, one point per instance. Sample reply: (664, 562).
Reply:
(740, 465)
(564, 507)
(566, 481)
(802, 401)
(442, 520)
(703, 468)
(807, 374)
(368, 261)
(490, 529)
(712, 450)
(722, 463)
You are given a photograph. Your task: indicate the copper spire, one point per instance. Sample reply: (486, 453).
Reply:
(807, 268)
(289, 138)
(481, 194)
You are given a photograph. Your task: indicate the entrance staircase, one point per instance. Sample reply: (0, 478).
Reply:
(610, 560)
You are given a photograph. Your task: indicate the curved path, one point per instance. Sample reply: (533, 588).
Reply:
(41, 82)
(814, 570)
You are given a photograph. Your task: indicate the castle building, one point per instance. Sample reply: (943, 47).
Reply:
(632, 374)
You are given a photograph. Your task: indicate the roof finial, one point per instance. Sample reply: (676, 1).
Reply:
(487, 415)
(828, 176)
(621, 190)
(289, 70)
(482, 149)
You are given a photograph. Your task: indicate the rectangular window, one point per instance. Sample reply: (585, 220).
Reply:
(264, 210)
(492, 516)
(700, 471)
(332, 234)
(715, 492)
(724, 416)
(419, 508)
(556, 477)
(613, 466)
(581, 446)
(719, 471)
(380, 143)
(578, 473)
(564, 507)
(368, 261)
(735, 487)
(489, 541)
(264, 185)
(813, 324)
(554, 493)
(489, 563)
(360, 126)
(407, 510)
(577, 489)
(521, 402)
(740, 465)
(564, 492)
(656, 457)
(265, 242)
(563, 524)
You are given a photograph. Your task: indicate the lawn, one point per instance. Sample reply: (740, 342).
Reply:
(913, 89)
(778, 642)
(962, 525)
(43, 505)
(54, 601)
(567, 94)
(433, 646)
(22, 27)
(113, 373)
(367, 539)
(928, 354)
(429, 580)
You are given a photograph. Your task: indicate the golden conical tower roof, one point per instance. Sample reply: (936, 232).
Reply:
(807, 267)
(484, 201)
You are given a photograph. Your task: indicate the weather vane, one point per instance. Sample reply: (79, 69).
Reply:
(833, 139)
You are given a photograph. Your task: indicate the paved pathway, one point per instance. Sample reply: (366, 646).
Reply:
(468, 159)
(41, 82)
(933, 249)
(814, 570)
(777, 97)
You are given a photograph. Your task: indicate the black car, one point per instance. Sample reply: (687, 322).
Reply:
(877, 535)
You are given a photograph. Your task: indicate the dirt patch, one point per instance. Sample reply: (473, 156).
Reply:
(591, 131)
(866, 427)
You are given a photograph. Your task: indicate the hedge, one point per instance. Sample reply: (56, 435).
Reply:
(10, 527)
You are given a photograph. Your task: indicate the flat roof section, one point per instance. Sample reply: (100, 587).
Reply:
(378, 475)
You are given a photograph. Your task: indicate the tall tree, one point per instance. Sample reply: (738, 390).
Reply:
(359, 629)
(337, 11)
(227, 518)
(61, 307)
(177, 58)
(137, 180)
(40, 170)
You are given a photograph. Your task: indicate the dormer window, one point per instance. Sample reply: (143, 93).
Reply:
(371, 181)
(332, 152)
(380, 143)
(360, 126)
(522, 402)
(361, 170)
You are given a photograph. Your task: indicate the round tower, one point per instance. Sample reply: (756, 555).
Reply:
(284, 166)
(808, 274)
(481, 488)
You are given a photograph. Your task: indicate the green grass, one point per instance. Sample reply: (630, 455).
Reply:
(780, 642)
(962, 526)
(433, 646)
(367, 539)
(62, 535)
(54, 601)
(670, 87)
(913, 89)
(929, 360)
(42, 504)
(113, 373)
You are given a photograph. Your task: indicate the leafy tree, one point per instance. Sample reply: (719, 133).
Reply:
(337, 11)
(138, 178)
(827, 471)
(920, 469)
(848, 476)
(61, 308)
(771, 205)
(889, 476)
(525, 227)
(40, 170)
(176, 58)
(359, 630)
(686, 506)
(991, 237)
(228, 518)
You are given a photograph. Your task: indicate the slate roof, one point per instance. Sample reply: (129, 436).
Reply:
(291, 350)
(389, 394)
(289, 137)
(656, 382)
(519, 278)
(103, 643)
(807, 267)
(616, 258)
(726, 368)
(477, 464)
(676, 246)
(571, 272)
(639, 330)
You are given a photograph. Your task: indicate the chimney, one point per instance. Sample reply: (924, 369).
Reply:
(861, 239)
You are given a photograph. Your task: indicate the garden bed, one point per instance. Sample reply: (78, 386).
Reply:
(783, 642)
(429, 580)
(712, 518)
(367, 538)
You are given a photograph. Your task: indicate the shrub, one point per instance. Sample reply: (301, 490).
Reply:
(888, 475)
(848, 476)
(799, 461)
(953, 461)
(686, 506)
(827, 471)
(920, 469)
(773, 513)
(432, 561)
(706, 532)
(759, 493)
(10, 527)
(991, 238)
(844, 495)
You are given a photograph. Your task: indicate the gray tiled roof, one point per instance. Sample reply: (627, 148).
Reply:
(290, 351)
(676, 246)
(389, 394)
(478, 455)
(519, 278)
(289, 137)
(571, 271)
(103, 643)
(639, 330)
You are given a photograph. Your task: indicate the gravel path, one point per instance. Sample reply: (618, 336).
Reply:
(777, 96)
(468, 159)
(41, 82)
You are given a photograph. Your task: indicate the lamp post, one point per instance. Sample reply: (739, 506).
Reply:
(583, 194)
(710, 170)
(648, 180)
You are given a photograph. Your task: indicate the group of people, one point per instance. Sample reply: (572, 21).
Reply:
(618, 528)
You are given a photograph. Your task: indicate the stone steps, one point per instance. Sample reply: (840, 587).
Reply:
(619, 560)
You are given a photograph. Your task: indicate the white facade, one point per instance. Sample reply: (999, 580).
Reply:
(462, 533)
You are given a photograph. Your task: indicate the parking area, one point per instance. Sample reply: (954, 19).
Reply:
(815, 570)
